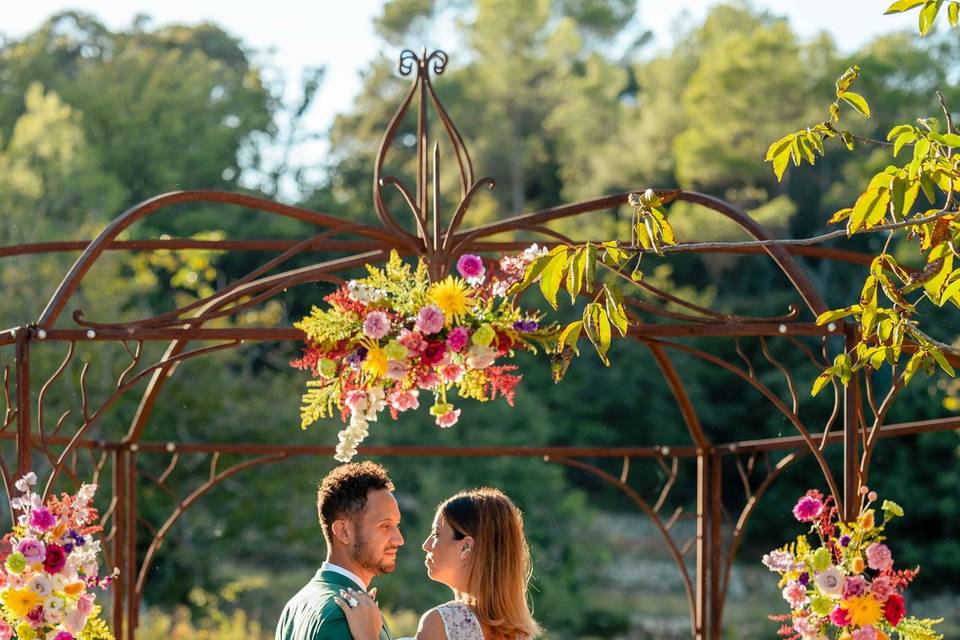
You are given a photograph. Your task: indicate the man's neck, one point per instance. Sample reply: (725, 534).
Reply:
(344, 562)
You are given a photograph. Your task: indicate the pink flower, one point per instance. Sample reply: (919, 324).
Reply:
(357, 400)
(412, 340)
(75, 621)
(33, 550)
(471, 268)
(457, 339)
(63, 635)
(376, 325)
(448, 419)
(452, 372)
(864, 633)
(779, 561)
(801, 625)
(796, 594)
(881, 588)
(854, 586)
(404, 400)
(430, 319)
(6, 632)
(807, 508)
(397, 370)
(42, 519)
(840, 616)
(879, 557)
(85, 604)
(480, 357)
(56, 559)
(428, 380)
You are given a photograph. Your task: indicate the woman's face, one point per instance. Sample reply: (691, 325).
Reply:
(446, 556)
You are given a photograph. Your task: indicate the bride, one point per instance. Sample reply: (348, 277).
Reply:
(477, 548)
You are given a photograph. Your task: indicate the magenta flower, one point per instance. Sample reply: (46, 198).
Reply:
(840, 616)
(448, 419)
(64, 635)
(430, 319)
(376, 325)
(879, 557)
(41, 519)
(457, 339)
(471, 268)
(807, 508)
(35, 616)
(33, 550)
(854, 586)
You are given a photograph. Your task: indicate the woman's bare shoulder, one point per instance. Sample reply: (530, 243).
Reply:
(431, 626)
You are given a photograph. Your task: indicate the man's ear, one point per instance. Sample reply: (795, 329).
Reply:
(343, 531)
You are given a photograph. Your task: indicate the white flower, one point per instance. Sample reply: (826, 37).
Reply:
(41, 585)
(779, 561)
(23, 484)
(87, 492)
(479, 357)
(831, 582)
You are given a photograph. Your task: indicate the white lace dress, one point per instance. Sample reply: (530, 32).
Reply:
(459, 621)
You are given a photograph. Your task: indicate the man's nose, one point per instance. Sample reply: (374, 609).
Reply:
(398, 539)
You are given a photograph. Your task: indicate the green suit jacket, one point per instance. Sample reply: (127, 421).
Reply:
(312, 614)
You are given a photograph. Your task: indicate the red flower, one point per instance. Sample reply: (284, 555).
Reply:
(433, 353)
(894, 610)
(55, 560)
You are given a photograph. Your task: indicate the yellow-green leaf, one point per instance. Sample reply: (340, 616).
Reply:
(913, 365)
(840, 216)
(613, 300)
(590, 266)
(953, 13)
(570, 334)
(901, 140)
(869, 210)
(575, 274)
(942, 361)
(822, 381)
(903, 5)
(856, 101)
(928, 15)
(552, 276)
(779, 154)
(836, 314)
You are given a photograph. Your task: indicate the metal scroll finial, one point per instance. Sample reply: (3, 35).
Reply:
(434, 240)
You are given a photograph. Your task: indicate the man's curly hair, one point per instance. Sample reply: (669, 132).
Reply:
(343, 492)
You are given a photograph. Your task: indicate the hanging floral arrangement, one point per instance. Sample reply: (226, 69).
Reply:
(49, 568)
(382, 340)
(842, 585)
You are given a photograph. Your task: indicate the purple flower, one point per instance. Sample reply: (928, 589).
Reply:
(430, 319)
(376, 325)
(471, 268)
(457, 339)
(807, 508)
(844, 540)
(42, 519)
(804, 579)
(78, 539)
(526, 326)
(32, 550)
(358, 356)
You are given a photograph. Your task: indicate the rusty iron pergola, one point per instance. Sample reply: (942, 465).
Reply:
(856, 420)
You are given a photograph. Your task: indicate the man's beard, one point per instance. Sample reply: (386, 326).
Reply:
(364, 557)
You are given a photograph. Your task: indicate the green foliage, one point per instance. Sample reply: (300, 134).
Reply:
(928, 12)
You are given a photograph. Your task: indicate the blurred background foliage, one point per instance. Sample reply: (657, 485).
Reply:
(559, 100)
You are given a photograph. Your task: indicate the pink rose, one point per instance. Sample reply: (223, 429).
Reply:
(480, 357)
(471, 268)
(796, 594)
(430, 319)
(457, 339)
(376, 325)
(879, 557)
(807, 508)
(33, 550)
(397, 370)
(448, 419)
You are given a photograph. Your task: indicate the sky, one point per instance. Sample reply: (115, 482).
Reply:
(292, 34)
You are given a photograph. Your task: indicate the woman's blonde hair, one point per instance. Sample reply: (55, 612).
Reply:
(499, 569)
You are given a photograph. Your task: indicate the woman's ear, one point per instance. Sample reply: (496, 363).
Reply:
(466, 545)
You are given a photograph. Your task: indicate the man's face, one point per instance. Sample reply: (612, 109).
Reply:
(377, 534)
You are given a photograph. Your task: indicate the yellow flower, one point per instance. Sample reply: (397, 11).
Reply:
(21, 601)
(25, 631)
(73, 589)
(376, 362)
(856, 565)
(452, 296)
(864, 610)
(866, 520)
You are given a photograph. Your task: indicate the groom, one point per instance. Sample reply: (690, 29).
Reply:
(361, 525)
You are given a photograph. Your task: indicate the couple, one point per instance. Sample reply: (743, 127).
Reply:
(476, 547)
